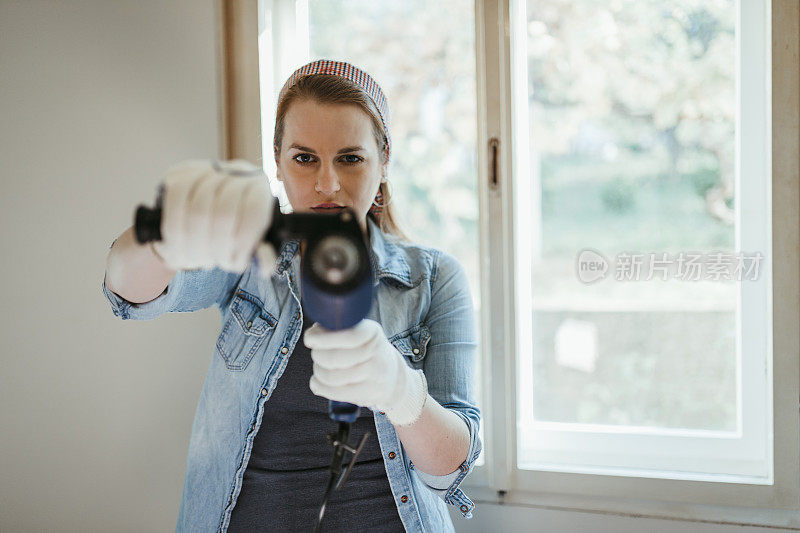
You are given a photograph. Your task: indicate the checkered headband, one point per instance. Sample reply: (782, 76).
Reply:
(356, 75)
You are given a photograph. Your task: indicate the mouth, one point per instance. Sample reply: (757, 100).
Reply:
(328, 207)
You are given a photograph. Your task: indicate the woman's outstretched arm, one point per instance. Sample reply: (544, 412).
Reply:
(438, 441)
(134, 271)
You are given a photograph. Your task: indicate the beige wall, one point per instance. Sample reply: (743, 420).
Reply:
(97, 99)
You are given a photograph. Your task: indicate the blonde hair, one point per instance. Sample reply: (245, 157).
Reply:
(331, 89)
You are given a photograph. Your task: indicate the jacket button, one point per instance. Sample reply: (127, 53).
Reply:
(250, 324)
(391, 455)
(404, 498)
(464, 508)
(284, 350)
(416, 351)
(263, 392)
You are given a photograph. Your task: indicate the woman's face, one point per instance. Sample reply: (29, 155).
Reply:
(329, 155)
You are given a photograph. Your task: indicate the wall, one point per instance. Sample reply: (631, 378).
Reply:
(97, 98)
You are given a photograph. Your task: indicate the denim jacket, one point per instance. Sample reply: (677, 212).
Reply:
(423, 304)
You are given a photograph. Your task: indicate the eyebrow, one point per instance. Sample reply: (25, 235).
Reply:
(342, 151)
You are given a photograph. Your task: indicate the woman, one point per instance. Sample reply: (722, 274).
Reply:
(258, 457)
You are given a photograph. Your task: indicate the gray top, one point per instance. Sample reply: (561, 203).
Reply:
(287, 473)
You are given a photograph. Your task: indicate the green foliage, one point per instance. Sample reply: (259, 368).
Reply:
(632, 109)
(703, 179)
(618, 196)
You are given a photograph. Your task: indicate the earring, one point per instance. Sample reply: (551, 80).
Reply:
(376, 208)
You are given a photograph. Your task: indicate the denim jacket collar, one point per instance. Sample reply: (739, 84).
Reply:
(386, 257)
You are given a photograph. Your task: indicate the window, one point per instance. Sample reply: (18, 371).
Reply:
(560, 145)
(634, 165)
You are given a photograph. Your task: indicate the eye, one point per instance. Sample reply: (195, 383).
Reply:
(303, 159)
(355, 159)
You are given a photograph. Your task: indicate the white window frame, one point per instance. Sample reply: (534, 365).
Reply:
(758, 500)
(498, 480)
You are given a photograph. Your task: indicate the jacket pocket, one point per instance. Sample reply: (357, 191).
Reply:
(246, 329)
(413, 342)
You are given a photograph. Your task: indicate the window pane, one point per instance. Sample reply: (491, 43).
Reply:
(632, 114)
(427, 70)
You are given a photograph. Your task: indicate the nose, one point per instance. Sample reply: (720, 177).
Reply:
(327, 180)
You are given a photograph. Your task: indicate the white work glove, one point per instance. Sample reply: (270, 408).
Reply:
(215, 214)
(359, 365)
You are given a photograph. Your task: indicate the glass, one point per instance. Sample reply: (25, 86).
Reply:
(632, 112)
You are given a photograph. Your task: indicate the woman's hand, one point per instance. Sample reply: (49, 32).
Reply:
(215, 214)
(360, 366)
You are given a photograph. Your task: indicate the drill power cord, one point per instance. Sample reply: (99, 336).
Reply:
(339, 441)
